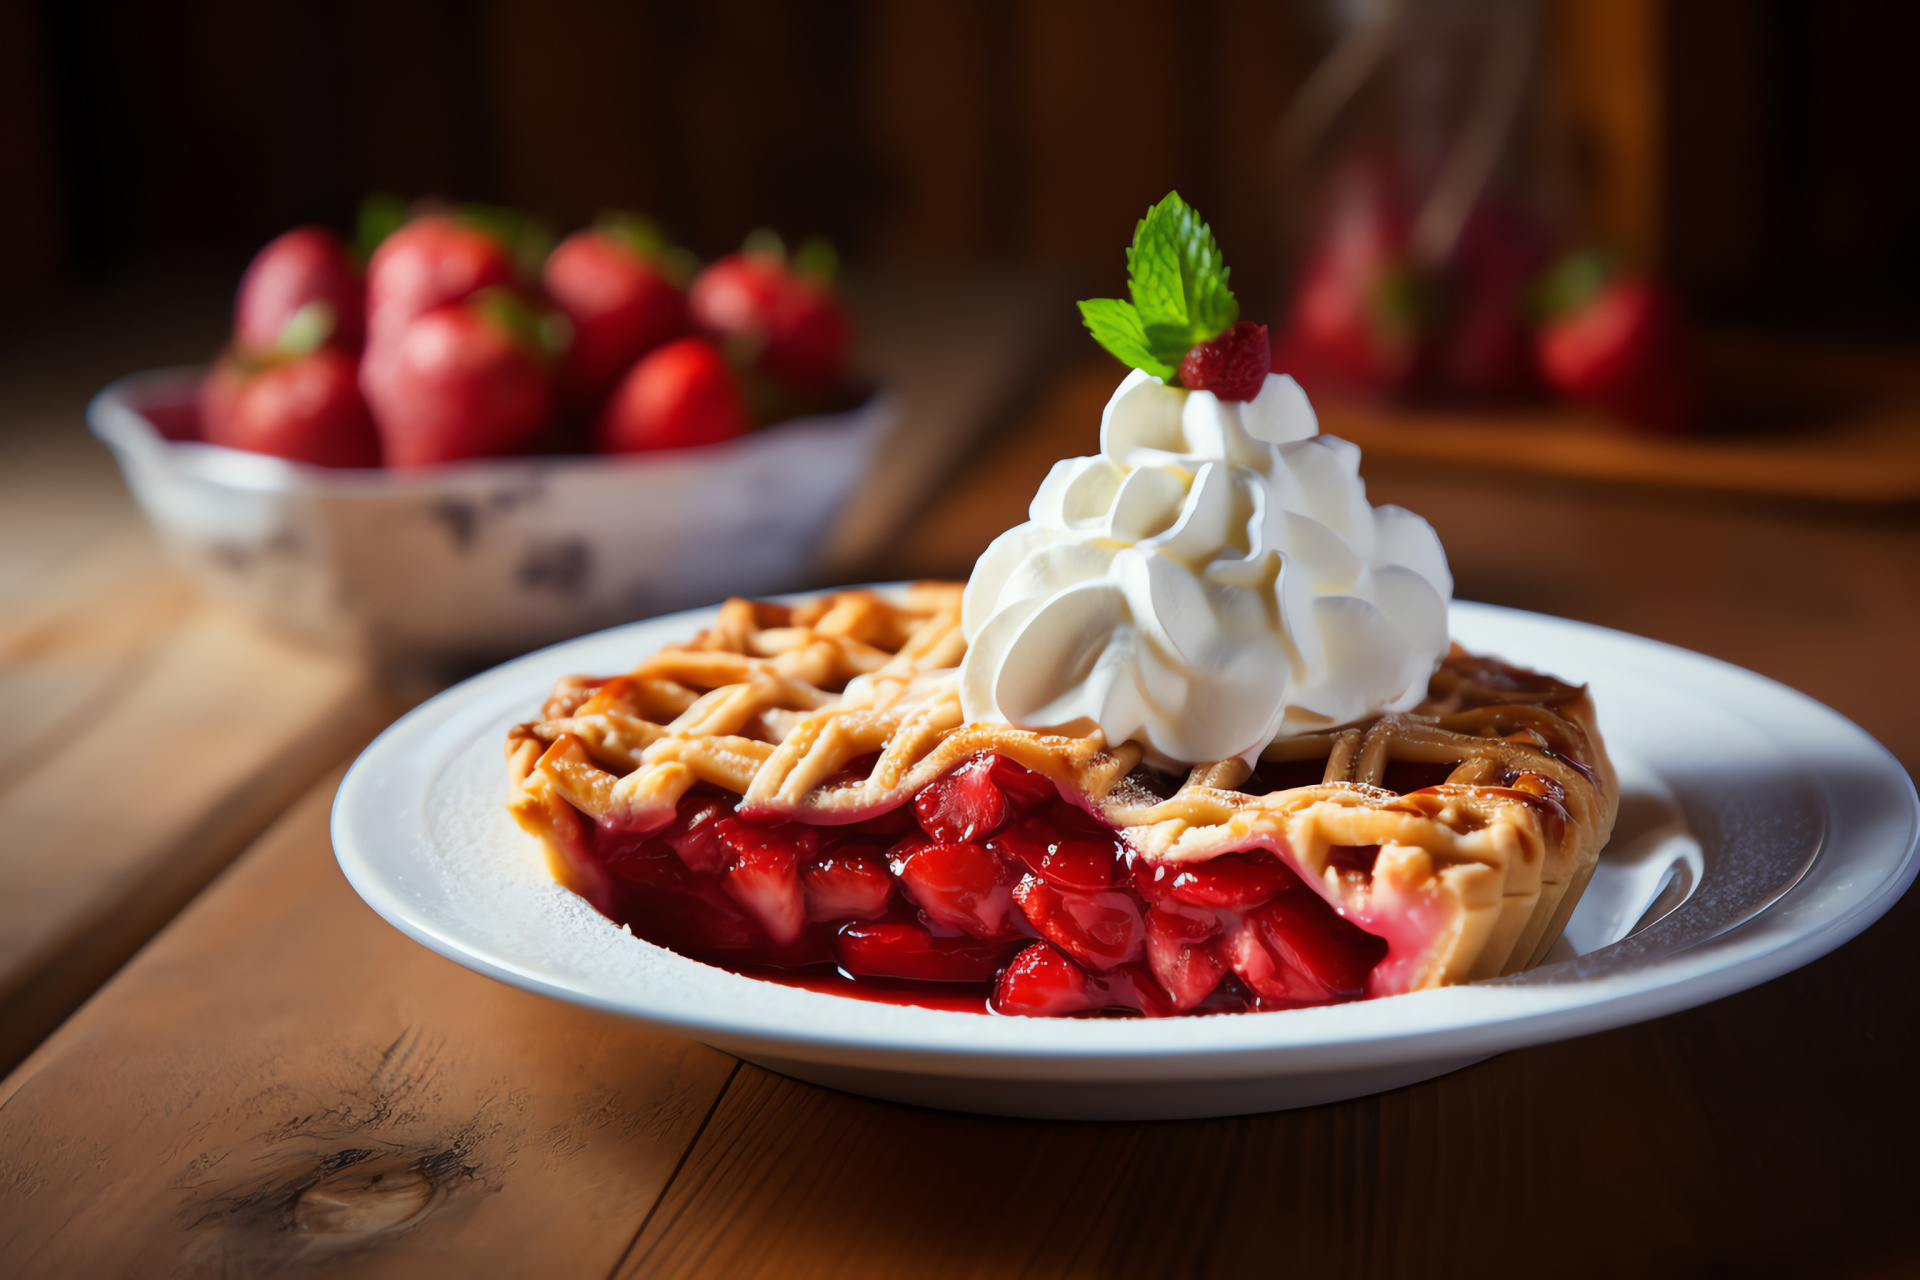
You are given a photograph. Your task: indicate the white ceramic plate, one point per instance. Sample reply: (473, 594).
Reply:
(1778, 828)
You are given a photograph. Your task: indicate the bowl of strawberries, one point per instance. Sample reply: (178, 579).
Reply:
(480, 442)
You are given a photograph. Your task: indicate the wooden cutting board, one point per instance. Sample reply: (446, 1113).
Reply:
(1792, 420)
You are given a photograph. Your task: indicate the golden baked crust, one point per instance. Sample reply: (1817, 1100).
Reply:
(1469, 878)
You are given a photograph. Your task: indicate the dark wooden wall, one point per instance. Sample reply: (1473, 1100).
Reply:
(1759, 149)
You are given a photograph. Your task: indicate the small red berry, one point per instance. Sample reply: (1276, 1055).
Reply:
(622, 306)
(308, 409)
(304, 267)
(1233, 365)
(674, 397)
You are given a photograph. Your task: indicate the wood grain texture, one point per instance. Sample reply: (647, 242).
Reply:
(152, 736)
(281, 1080)
(225, 1104)
(1787, 420)
(1697, 1145)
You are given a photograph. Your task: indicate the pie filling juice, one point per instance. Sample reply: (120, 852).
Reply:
(987, 892)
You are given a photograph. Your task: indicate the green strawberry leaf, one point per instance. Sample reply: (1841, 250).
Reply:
(306, 330)
(764, 242)
(817, 258)
(1116, 326)
(381, 214)
(524, 236)
(1573, 283)
(636, 231)
(1178, 284)
(643, 238)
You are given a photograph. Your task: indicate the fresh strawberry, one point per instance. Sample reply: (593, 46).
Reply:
(1484, 346)
(1619, 343)
(1042, 983)
(1233, 365)
(1073, 854)
(846, 885)
(1100, 930)
(467, 380)
(807, 337)
(964, 805)
(306, 408)
(906, 949)
(1180, 953)
(765, 878)
(622, 304)
(432, 260)
(1232, 880)
(308, 271)
(695, 835)
(961, 886)
(676, 397)
(1359, 313)
(789, 320)
(735, 296)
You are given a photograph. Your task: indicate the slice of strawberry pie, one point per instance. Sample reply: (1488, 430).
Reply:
(797, 794)
(1191, 740)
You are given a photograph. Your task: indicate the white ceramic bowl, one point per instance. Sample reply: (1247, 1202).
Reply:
(1758, 831)
(479, 560)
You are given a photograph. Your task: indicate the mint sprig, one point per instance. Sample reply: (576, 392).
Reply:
(1178, 284)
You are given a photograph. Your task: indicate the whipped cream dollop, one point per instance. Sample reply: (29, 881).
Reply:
(1212, 580)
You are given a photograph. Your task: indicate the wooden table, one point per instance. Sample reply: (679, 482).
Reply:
(280, 1082)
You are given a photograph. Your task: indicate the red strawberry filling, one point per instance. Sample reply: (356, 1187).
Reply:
(987, 891)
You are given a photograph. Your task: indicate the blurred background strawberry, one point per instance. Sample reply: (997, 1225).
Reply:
(621, 285)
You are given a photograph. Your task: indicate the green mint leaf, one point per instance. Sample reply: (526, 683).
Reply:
(1116, 326)
(1176, 274)
(1153, 271)
(1170, 343)
(1178, 284)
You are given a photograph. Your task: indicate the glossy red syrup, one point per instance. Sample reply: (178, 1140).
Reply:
(987, 892)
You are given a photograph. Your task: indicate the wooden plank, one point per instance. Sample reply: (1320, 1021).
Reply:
(1789, 419)
(152, 735)
(208, 1110)
(281, 1079)
(1641, 1150)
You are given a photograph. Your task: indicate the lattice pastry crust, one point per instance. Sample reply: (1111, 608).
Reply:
(1466, 879)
